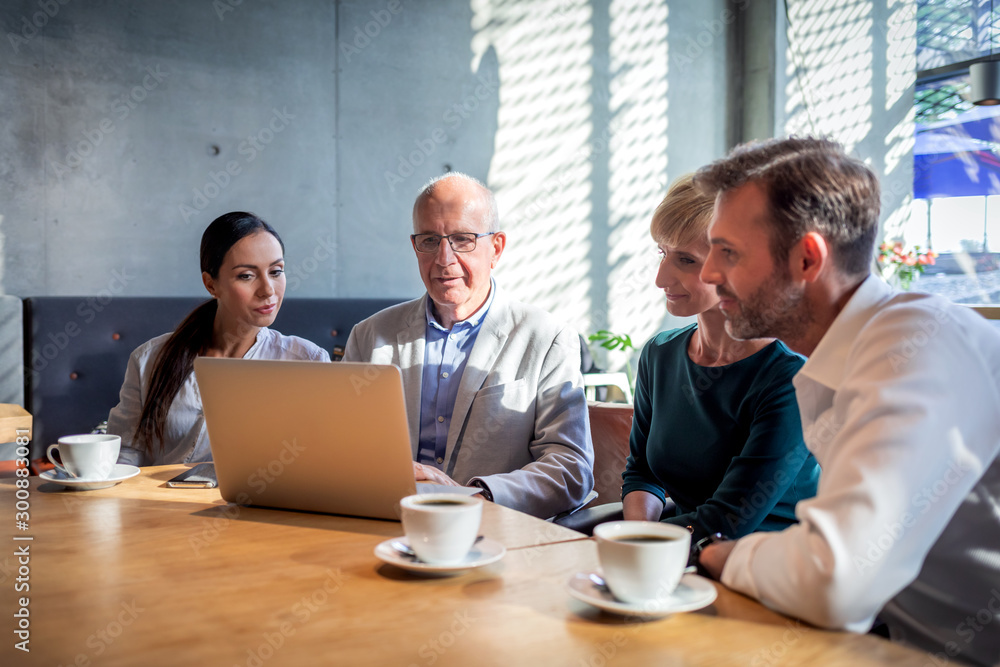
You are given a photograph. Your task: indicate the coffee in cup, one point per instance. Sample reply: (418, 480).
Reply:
(91, 456)
(441, 527)
(642, 561)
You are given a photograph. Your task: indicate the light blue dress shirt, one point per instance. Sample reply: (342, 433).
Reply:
(445, 356)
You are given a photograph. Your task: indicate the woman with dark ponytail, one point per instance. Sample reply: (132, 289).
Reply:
(159, 415)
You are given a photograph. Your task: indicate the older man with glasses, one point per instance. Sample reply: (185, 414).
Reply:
(493, 386)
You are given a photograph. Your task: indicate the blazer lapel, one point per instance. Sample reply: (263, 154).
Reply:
(489, 342)
(410, 344)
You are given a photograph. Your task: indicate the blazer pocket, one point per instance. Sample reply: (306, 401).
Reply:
(515, 387)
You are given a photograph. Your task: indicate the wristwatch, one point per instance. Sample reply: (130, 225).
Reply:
(485, 489)
(699, 546)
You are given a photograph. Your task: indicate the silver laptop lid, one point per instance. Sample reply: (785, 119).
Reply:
(303, 435)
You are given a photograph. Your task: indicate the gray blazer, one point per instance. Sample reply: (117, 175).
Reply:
(520, 420)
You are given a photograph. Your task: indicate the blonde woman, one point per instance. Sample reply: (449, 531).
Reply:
(716, 440)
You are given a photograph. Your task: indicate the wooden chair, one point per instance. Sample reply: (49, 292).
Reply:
(610, 425)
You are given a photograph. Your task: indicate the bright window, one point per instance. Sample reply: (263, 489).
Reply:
(956, 175)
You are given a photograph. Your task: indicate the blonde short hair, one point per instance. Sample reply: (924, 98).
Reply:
(684, 214)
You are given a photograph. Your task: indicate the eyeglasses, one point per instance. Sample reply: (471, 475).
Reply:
(460, 242)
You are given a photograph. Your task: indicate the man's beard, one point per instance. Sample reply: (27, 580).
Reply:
(776, 310)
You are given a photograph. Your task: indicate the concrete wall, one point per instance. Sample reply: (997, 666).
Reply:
(849, 73)
(577, 113)
(128, 126)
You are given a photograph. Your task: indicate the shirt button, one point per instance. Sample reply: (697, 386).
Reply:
(440, 460)
(444, 375)
(440, 419)
(452, 337)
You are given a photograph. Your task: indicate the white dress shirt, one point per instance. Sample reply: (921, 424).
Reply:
(900, 404)
(185, 438)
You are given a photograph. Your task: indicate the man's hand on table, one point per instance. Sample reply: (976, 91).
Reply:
(714, 556)
(430, 474)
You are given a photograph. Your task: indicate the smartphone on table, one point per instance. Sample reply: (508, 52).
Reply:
(202, 476)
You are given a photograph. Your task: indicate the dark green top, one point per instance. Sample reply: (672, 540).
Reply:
(723, 442)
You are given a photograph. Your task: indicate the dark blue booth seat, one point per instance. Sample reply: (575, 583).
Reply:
(76, 348)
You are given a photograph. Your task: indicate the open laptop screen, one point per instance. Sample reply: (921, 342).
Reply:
(303, 435)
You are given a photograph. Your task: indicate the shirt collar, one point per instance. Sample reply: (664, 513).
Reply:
(473, 320)
(258, 342)
(827, 363)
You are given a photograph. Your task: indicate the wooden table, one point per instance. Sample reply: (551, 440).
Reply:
(142, 574)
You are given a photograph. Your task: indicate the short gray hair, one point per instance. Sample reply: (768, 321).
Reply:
(492, 218)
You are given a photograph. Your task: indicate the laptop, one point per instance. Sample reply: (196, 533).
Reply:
(312, 436)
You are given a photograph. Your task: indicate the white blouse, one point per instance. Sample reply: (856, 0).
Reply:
(185, 438)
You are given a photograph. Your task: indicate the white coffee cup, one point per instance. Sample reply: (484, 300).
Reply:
(89, 456)
(642, 561)
(441, 527)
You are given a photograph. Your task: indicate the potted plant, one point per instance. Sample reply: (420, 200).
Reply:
(902, 268)
(613, 341)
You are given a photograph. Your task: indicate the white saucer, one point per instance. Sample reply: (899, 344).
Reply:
(486, 551)
(693, 592)
(120, 473)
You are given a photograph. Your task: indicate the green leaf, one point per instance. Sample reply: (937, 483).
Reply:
(603, 334)
(611, 341)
